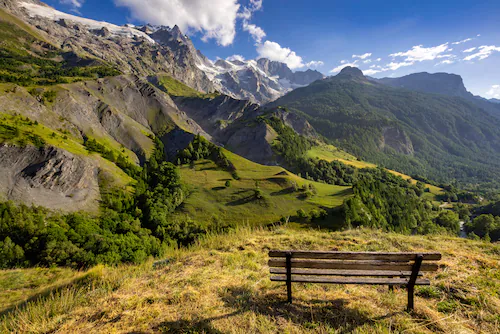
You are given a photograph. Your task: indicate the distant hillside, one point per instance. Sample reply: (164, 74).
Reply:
(440, 137)
(441, 83)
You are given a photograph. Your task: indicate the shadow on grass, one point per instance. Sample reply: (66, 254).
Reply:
(285, 191)
(242, 201)
(335, 314)
(218, 188)
(45, 293)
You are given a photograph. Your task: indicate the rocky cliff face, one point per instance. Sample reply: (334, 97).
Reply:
(48, 177)
(441, 83)
(129, 49)
(260, 81)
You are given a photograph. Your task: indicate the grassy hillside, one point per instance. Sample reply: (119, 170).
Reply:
(331, 153)
(221, 285)
(210, 198)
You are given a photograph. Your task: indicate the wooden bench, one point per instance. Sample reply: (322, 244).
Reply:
(400, 269)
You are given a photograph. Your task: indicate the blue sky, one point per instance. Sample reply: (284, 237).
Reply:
(392, 38)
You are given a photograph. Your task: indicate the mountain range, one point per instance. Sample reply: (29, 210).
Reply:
(446, 135)
(83, 80)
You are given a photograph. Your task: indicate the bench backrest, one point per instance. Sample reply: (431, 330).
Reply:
(352, 263)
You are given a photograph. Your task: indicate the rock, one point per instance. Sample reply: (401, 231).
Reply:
(48, 177)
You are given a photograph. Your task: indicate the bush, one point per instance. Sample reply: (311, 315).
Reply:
(228, 184)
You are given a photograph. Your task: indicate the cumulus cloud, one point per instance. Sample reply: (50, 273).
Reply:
(315, 64)
(274, 51)
(257, 33)
(469, 50)
(463, 41)
(418, 53)
(367, 61)
(343, 61)
(363, 56)
(494, 92)
(484, 52)
(379, 59)
(235, 57)
(75, 3)
(215, 19)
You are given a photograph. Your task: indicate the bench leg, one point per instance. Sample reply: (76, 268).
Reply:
(391, 288)
(289, 277)
(411, 283)
(411, 301)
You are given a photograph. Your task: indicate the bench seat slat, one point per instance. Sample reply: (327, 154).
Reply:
(350, 265)
(394, 257)
(333, 272)
(346, 280)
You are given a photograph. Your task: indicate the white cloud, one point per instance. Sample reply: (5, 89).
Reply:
(235, 57)
(367, 61)
(75, 3)
(419, 53)
(494, 92)
(363, 56)
(371, 72)
(484, 52)
(445, 62)
(255, 5)
(215, 19)
(469, 50)
(343, 61)
(478, 35)
(257, 33)
(379, 59)
(274, 51)
(463, 41)
(394, 66)
(446, 56)
(342, 66)
(315, 64)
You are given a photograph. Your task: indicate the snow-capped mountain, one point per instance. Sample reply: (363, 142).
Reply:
(260, 81)
(149, 50)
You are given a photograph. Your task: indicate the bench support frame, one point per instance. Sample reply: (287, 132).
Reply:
(411, 282)
(289, 276)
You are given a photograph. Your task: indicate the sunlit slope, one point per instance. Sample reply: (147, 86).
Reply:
(210, 199)
(331, 153)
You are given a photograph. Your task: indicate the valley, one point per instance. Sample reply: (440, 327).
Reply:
(142, 184)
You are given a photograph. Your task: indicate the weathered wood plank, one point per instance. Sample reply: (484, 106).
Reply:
(350, 265)
(394, 257)
(333, 272)
(346, 280)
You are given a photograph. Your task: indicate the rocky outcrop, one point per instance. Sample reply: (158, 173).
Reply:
(48, 177)
(397, 140)
(130, 50)
(253, 143)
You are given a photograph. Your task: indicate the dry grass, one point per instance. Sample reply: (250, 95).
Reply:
(221, 285)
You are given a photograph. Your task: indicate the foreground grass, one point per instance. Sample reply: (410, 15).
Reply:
(221, 285)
